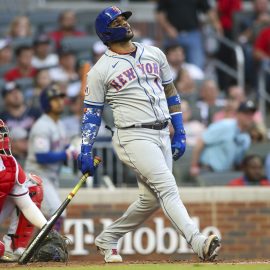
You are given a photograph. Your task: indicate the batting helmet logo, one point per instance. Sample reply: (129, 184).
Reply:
(103, 21)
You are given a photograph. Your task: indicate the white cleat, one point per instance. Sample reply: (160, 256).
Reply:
(9, 257)
(110, 255)
(210, 248)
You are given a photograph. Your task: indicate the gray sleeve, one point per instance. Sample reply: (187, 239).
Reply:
(95, 90)
(165, 71)
(40, 140)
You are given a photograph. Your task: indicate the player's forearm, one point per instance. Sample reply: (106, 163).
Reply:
(163, 22)
(173, 98)
(30, 211)
(90, 126)
(174, 105)
(51, 157)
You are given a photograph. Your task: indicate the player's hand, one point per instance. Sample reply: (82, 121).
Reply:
(71, 152)
(178, 144)
(86, 163)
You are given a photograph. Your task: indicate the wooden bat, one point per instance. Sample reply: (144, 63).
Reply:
(28, 253)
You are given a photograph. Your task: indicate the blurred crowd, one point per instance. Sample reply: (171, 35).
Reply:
(225, 130)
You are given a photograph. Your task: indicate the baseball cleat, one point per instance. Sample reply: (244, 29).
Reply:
(210, 248)
(9, 257)
(110, 255)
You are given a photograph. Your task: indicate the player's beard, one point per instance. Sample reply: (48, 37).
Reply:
(129, 36)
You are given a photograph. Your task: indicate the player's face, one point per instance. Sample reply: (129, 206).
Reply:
(57, 105)
(121, 21)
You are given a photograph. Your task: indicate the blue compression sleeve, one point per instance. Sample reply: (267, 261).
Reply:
(90, 126)
(177, 121)
(51, 157)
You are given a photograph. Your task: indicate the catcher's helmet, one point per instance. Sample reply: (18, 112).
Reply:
(5, 148)
(103, 20)
(47, 94)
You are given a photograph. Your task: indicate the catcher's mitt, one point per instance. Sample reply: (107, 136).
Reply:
(52, 248)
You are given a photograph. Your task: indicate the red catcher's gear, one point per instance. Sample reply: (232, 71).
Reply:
(25, 228)
(4, 139)
(2, 249)
(10, 173)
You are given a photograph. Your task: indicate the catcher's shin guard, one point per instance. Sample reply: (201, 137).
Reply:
(25, 228)
(2, 249)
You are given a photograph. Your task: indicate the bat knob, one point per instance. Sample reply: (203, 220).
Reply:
(97, 161)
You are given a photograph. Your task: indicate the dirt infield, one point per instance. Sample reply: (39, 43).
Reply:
(144, 265)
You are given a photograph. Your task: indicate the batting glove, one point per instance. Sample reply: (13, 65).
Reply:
(86, 163)
(72, 152)
(178, 144)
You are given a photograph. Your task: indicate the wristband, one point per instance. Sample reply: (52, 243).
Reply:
(174, 100)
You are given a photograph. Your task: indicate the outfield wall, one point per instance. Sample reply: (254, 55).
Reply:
(241, 216)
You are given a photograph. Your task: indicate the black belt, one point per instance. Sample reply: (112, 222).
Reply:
(156, 126)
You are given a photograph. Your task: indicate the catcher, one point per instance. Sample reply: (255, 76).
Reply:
(26, 194)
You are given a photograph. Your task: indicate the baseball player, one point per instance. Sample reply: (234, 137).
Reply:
(47, 148)
(136, 81)
(15, 188)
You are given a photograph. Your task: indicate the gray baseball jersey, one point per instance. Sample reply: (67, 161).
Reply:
(45, 136)
(115, 78)
(133, 86)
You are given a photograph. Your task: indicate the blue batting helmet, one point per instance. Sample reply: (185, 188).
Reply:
(47, 95)
(103, 20)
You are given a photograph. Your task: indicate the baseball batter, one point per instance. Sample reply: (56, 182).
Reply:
(47, 148)
(137, 83)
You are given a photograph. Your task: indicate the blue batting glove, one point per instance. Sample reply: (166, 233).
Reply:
(178, 144)
(86, 163)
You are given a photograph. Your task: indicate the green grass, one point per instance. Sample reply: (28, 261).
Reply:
(175, 266)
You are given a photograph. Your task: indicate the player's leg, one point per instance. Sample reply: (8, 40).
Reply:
(212, 242)
(135, 215)
(147, 158)
(20, 229)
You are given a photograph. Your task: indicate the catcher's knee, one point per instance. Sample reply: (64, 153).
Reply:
(35, 188)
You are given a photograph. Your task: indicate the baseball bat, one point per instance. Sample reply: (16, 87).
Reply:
(28, 253)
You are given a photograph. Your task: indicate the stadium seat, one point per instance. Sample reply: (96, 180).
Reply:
(181, 170)
(86, 18)
(217, 178)
(261, 149)
(82, 46)
(25, 41)
(6, 17)
(239, 18)
(44, 18)
(79, 44)
(25, 83)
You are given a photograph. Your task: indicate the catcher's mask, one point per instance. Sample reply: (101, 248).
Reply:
(5, 148)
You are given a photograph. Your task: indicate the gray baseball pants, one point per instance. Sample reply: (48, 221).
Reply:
(148, 153)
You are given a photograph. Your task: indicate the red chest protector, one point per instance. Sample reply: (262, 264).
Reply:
(10, 173)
